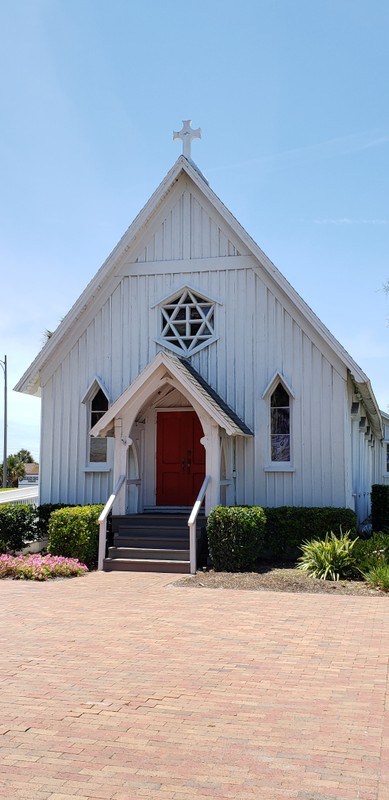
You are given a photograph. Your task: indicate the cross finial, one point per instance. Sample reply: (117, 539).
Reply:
(186, 134)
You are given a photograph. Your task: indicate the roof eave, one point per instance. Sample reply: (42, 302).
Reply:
(370, 403)
(175, 368)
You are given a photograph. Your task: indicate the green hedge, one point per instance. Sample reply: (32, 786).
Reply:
(74, 533)
(44, 512)
(18, 525)
(379, 507)
(288, 527)
(235, 537)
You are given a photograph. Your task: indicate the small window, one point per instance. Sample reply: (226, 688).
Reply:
(280, 424)
(97, 445)
(387, 457)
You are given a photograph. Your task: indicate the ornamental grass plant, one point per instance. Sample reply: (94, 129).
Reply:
(40, 568)
(331, 559)
(378, 577)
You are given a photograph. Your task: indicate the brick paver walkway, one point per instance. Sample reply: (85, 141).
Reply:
(120, 686)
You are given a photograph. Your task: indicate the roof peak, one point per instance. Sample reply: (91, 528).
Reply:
(185, 160)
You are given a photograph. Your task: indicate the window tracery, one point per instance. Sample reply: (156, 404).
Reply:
(187, 322)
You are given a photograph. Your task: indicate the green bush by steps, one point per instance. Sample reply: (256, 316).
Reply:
(44, 512)
(235, 537)
(74, 533)
(288, 527)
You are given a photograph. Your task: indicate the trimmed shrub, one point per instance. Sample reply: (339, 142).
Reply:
(17, 526)
(331, 559)
(379, 506)
(44, 512)
(372, 552)
(288, 527)
(74, 533)
(235, 537)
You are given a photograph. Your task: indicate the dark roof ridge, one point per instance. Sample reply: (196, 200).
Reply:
(215, 396)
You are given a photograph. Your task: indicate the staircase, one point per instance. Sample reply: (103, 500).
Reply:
(153, 542)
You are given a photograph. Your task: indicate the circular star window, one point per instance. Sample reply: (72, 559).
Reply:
(187, 322)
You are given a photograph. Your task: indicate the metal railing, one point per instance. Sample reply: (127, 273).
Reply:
(192, 525)
(102, 520)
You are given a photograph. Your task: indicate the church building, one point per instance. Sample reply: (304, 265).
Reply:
(190, 356)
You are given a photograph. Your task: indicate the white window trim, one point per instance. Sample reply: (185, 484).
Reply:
(386, 446)
(279, 466)
(95, 386)
(97, 466)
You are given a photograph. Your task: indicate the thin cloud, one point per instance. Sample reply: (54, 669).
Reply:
(350, 221)
(320, 151)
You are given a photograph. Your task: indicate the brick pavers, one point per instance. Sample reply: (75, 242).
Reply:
(118, 686)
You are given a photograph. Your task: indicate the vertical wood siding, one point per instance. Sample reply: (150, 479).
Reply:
(187, 231)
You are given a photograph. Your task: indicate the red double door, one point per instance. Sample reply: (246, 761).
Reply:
(180, 458)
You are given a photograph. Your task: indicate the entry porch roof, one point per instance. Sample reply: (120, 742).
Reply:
(166, 367)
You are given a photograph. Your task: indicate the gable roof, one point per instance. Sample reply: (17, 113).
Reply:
(166, 365)
(30, 381)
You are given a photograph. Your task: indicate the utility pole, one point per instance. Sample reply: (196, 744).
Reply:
(4, 367)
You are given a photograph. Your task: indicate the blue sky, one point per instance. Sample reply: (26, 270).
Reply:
(292, 99)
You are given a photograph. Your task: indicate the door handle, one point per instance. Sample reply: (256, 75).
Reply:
(183, 465)
(189, 465)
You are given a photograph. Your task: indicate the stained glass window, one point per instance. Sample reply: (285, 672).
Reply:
(97, 444)
(280, 424)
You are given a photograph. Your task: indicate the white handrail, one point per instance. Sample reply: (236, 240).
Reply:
(192, 525)
(102, 520)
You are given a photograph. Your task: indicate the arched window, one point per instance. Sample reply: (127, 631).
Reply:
(97, 445)
(280, 424)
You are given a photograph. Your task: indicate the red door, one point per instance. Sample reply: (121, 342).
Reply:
(180, 458)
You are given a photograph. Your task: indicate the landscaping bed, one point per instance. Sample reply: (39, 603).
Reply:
(275, 579)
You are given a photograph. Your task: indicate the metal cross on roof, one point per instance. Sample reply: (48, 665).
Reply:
(186, 134)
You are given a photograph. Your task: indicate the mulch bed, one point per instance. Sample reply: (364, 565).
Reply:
(280, 579)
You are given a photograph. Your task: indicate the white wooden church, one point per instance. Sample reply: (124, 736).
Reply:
(189, 356)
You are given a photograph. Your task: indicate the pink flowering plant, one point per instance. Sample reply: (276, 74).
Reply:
(40, 568)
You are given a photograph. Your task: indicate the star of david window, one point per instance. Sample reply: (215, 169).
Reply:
(187, 322)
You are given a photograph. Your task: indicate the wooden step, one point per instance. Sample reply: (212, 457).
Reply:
(148, 553)
(172, 521)
(155, 530)
(145, 565)
(151, 542)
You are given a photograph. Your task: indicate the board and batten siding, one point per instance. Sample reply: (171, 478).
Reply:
(257, 337)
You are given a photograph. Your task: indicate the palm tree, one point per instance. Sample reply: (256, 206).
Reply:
(16, 470)
(25, 456)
